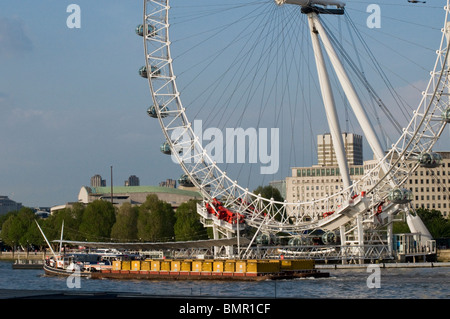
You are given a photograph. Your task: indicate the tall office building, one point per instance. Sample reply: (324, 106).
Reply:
(168, 183)
(97, 181)
(133, 180)
(352, 144)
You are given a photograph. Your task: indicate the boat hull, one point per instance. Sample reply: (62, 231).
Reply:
(190, 275)
(51, 271)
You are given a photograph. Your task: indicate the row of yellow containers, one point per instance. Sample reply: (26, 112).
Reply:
(252, 265)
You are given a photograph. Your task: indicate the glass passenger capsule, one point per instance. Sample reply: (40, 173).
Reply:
(185, 181)
(429, 159)
(400, 196)
(446, 115)
(150, 30)
(165, 148)
(263, 239)
(328, 237)
(143, 71)
(295, 242)
(151, 111)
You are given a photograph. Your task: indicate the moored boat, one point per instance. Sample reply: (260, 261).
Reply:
(76, 264)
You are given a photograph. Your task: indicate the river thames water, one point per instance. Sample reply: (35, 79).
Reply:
(394, 283)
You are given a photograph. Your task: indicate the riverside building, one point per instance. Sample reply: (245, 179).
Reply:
(430, 186)
(318, 181)
(7, 205)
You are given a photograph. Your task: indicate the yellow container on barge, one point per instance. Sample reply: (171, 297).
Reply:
(135, 265)
(297, 264)
(251, 269)
(230, 266)
(145, 265)
(263, 266)
(197, 265)
(186, 265)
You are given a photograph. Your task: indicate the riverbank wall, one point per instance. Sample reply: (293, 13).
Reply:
(8, 255)
(443, 255)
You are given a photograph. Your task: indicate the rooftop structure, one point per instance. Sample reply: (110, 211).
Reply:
(136, 194)
(7, 205)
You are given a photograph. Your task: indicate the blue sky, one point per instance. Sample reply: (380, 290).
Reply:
(72, 103)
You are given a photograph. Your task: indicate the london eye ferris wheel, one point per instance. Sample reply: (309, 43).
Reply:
(279, 72)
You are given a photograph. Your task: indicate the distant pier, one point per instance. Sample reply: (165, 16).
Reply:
(385, 265)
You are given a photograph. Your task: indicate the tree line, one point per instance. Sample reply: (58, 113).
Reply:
(99, 221)
(152, 221)
(437, 225)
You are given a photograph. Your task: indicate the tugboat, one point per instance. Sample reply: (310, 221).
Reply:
(64, 266)
(75, 264)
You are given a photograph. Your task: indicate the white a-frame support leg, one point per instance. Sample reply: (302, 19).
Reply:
(328, 101)
(348, 88)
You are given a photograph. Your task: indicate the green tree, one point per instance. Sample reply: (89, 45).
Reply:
(156, 220)
(400, 228)
(269, 192)
(125, 228)
(71, 217)
(427, 216)
(97, 221)
(187, 225)
(20, 228)
(438, 226)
